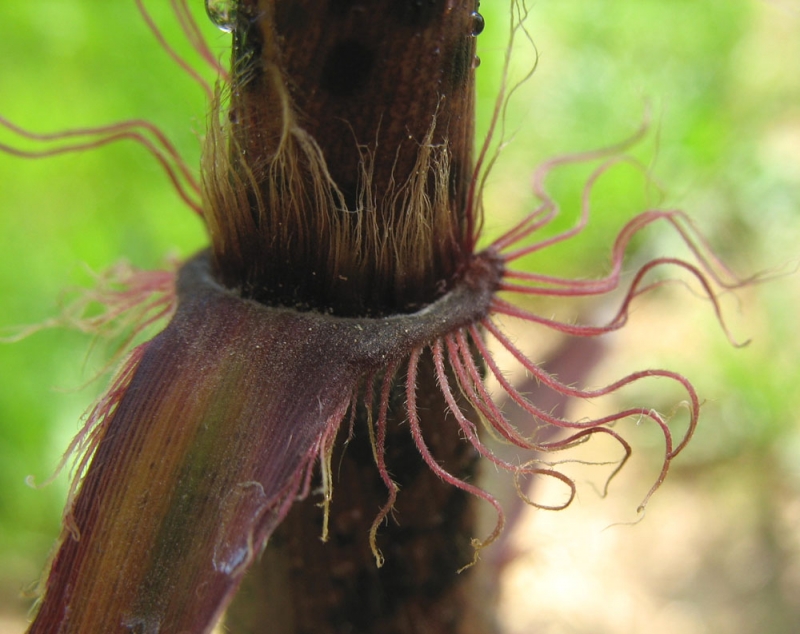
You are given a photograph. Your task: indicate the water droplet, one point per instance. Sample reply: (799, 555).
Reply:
(233, 563)
(149, 624)
(222, 13)
(476, 62)
(478, 23)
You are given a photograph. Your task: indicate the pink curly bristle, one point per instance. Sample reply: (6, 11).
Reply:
(379, 448)
(192, 32)
(433, 465)
(162, 41)
(136, 130)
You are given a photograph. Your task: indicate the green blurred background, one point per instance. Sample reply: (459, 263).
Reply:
(719, 549)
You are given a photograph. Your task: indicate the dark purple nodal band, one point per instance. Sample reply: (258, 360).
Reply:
(369, 343)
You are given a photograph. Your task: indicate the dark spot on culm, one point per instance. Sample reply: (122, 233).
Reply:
(341, 7)
(347, 68)
(417, 12)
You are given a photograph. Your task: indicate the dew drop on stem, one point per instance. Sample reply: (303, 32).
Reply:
(222, 13)
(478, 23)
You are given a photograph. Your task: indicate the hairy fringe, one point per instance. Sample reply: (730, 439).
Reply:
(265, 221)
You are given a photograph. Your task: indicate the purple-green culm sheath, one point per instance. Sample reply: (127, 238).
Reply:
(224, 418)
